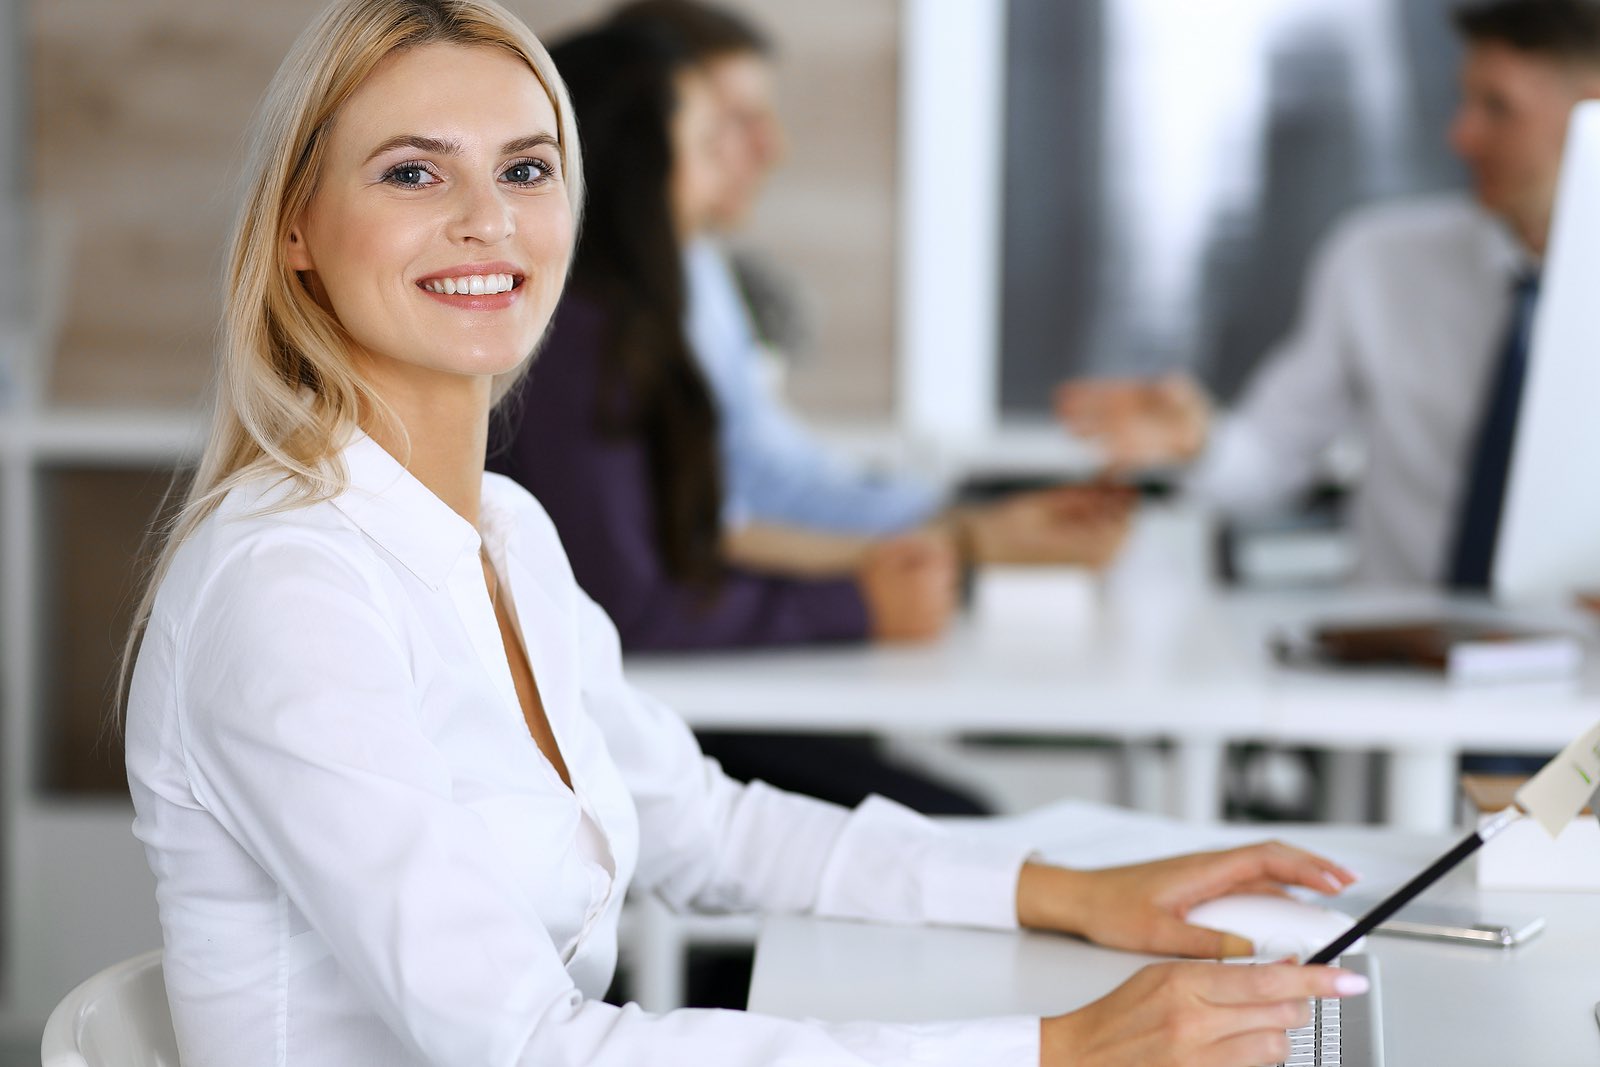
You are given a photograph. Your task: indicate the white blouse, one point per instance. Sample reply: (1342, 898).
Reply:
(362, 857)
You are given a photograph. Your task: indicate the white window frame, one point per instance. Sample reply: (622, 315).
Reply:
(952, 122)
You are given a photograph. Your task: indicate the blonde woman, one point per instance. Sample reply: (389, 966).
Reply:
(387, 770)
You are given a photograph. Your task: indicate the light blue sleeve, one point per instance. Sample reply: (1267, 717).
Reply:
(774, 469)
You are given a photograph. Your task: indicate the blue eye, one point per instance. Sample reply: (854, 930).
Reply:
(527, 172)
(410, 176)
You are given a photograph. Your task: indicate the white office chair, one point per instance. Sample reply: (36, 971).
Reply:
(118, 1018)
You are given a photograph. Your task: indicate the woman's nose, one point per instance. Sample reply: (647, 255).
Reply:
(482, 215)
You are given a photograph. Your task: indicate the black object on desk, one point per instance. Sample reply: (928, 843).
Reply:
(1408, 892)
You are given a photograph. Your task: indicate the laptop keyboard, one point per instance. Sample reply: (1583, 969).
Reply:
(1342, 1033)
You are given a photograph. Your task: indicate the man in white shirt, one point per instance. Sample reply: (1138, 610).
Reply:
(1413, 331)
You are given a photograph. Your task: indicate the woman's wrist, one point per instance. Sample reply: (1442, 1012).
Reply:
(959, 526)
(1055, 1047)
(956, 527)
(1053, 898)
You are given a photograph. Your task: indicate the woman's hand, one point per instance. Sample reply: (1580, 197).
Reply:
(1193, 1015)
(1080, 525)
(1143, 908)
(911, 586)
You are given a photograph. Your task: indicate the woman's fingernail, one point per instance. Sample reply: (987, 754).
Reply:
(1350, 984)
(1234, 947)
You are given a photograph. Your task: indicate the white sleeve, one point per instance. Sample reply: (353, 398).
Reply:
(302, 737)
(1304, 395)
(710, 843)
(1242, 474)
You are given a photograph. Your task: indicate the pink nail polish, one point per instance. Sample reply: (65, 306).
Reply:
(1351, 985)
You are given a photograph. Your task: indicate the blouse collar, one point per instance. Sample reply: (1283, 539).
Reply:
(401, 514)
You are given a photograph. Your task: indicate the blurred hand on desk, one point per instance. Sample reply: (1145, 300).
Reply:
(1074, 525)
(1071, 525)
(911, 585)
(1138, 422)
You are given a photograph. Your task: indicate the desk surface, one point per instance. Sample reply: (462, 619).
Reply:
(1147, 650)
(1440, 1003)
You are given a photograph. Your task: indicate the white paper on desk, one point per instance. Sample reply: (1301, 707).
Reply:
(1560, 790)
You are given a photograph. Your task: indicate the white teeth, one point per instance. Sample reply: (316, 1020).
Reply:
(472, 284)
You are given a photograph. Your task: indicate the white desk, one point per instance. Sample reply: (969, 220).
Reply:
(1146, 652)
(1441, 1004)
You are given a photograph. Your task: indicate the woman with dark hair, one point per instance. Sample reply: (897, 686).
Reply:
(618, 396)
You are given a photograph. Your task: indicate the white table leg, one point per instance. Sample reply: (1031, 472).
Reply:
(659, 954)
(1200, 763)
(1144, 776)
(1348, 787)
(1421, 790)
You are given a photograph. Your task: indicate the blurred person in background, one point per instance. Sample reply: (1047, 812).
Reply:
(637, 490)
(1414, 330)
(641, 493)
(641, 488)
(790, 502)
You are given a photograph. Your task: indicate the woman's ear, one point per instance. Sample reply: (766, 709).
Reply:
(295, 251)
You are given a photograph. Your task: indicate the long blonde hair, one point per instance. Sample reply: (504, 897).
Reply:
(287, 392)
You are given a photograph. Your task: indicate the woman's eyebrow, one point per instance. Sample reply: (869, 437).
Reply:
(415, 140)
(439, 147)
(522, 144)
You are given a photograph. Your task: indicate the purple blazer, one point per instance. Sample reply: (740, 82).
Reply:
(597, 490)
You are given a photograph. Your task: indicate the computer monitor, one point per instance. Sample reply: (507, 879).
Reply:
(1549, 542)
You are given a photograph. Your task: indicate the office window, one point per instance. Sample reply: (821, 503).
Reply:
(1170, 167)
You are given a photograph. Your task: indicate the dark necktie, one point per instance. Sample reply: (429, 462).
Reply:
(1478, 522)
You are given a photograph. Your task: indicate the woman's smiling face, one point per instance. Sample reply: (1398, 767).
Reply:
(440, 231)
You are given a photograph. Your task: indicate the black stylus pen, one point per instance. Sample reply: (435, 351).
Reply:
(1408, 892)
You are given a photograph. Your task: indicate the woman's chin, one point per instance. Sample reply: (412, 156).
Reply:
(485, 364)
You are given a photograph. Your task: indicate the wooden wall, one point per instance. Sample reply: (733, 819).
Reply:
(140, 107)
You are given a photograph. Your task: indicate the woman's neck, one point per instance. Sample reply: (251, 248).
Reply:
(446, 418)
